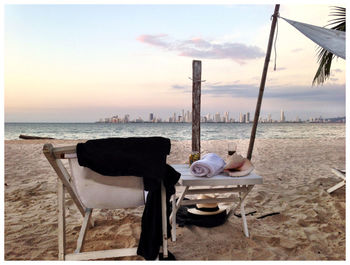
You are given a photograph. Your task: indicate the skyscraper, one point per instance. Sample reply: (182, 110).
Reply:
(208, 117)
(187, 116)
(217, 117)
(227, 118)
(151, 117)
(283, 118)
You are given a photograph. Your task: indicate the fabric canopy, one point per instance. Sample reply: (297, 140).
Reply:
(329, 39)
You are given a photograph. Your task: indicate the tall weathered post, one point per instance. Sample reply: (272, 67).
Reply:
(196, 105)
(262, 83)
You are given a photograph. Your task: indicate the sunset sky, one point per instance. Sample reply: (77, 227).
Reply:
(79, 63)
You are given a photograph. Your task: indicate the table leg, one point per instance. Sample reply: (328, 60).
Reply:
(241, 205)
(244, 219)
(250, 187)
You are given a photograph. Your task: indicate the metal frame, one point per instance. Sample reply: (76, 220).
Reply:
(54, 156)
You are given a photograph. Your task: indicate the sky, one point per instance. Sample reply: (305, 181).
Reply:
(80, 63)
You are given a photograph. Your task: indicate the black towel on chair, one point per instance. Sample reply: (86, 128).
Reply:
(137, 156)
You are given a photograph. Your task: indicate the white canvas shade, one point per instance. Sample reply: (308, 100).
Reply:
(330, 39)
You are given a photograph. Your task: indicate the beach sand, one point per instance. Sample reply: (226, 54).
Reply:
(296, 172)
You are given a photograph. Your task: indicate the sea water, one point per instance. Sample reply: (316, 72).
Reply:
(174, 131)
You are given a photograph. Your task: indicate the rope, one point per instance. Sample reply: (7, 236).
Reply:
(195, 80)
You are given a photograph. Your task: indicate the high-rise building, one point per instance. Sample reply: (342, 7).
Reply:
(283, 118)
(151, 117)
(188, 116)
(240, 117)
(217, 117)
(208, 117)
(139, 119)
(126, 118)
(226, 117)
(248, 117)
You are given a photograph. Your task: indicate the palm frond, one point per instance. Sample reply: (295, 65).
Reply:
(324, 69)
(325, 57)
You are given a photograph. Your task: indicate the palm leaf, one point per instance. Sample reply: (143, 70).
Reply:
(325, 57)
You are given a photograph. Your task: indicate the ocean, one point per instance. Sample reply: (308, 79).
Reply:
(175, 131)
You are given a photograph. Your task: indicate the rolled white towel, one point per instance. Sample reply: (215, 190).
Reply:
(210, 165)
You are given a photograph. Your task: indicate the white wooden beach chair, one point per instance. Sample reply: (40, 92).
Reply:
(216, 184)
(90, 190)
(341, 174)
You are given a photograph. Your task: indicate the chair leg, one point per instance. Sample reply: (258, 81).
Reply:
(340, 184)
(337, 186)
(338, 173)
(83, 230)
(176, 206)
(173, 218)
(164, 221)
(61, 221)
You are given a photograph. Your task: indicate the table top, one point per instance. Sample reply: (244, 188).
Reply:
(223, 179)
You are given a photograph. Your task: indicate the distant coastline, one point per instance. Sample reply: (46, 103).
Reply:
(174, 131)
(328, 120)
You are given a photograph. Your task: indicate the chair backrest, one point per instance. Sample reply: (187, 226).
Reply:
(106, 192)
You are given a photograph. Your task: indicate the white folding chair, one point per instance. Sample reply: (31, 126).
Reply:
(90, 190)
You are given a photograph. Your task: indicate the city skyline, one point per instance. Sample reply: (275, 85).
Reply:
(78, 63)
(186, 117)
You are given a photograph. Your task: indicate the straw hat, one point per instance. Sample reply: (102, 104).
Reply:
(238, 166)
(206, 208)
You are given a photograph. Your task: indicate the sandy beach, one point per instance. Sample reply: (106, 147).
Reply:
(296, 172)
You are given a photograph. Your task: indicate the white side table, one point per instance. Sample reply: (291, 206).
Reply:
(203, 185)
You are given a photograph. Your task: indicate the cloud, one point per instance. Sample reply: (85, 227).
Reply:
(200, 48)
(156, 40)
(297, 50)
(337, 70)
(330, 93)
(334, 73)
(180, 87)
(234, 90)
(278, 69)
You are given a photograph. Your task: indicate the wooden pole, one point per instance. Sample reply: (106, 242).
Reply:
(196, 105)
(262, 83)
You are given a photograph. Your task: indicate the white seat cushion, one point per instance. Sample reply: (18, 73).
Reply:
(106, 192)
